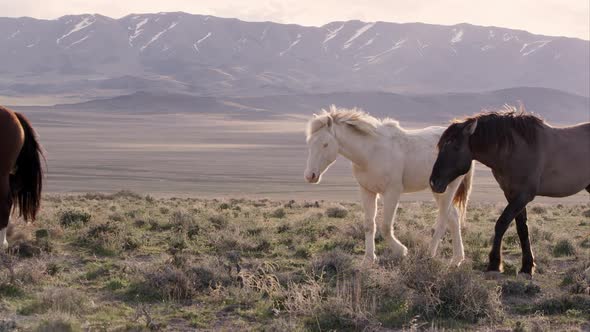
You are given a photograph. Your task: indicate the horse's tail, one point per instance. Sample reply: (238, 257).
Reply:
(462, 195)
(28, 175)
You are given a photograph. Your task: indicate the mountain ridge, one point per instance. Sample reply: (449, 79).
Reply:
(293, 24)
(203, 55)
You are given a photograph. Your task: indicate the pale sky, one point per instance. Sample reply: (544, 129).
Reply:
(550, 17)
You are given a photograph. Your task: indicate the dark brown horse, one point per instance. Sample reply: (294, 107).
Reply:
(21, 169)
(528, 158)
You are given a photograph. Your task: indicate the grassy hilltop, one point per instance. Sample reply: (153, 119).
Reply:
(126, 262)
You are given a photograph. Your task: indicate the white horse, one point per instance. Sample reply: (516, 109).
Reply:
(387, 160)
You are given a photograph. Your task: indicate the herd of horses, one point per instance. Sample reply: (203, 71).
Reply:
(527, 156)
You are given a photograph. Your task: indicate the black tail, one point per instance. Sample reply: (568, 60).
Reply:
(28, 176)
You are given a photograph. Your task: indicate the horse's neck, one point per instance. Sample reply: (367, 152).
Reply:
(353, 147)
(490, 158)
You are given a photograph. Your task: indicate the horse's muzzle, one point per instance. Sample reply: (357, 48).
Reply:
(312, 177)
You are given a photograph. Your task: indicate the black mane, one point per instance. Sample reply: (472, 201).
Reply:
(496, 129)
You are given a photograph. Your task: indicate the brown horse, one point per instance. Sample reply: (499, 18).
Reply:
(528, 158)
(21, 171)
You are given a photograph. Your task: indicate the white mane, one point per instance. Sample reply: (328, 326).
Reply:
(356, 118)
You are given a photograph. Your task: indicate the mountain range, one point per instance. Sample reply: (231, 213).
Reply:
(88, 56)
(555, 106)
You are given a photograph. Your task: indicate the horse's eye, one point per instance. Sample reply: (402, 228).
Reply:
(325, 145)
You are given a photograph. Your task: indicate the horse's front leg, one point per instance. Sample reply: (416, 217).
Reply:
(448, 217)
(369, 203)
(390, 201)
(514, 208)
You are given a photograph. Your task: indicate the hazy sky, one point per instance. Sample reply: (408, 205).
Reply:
(551, 17)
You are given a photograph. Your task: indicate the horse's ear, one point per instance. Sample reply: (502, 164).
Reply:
(315, 116)
(470, 128)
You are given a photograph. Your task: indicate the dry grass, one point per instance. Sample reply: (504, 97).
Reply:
(132, 262)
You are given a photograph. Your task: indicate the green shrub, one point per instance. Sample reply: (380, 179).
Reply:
(338, 315)
(520, 288)
(564, 247)
(116, 284)
(336, 212)
(218, 221)
(54, 322)
(440, 292)
(10, 290)
(278, 213)
(332, 263)
(108, 239)
(71, 218)
(562, 304)
(63, 300)
(181, 281)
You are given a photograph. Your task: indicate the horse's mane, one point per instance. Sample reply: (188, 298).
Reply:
(355, 118)
(497, 128)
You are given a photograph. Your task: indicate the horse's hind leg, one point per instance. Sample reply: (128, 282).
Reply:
(5, 207)
(528, 263)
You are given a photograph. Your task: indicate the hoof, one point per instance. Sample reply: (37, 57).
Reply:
(369, 262)
(401, 252)
(457, 261)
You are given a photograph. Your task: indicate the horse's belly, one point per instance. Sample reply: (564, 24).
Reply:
(561, 189)
(563, 182)
(417, 174)
(416, 180)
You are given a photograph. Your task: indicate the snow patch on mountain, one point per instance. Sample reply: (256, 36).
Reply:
(332, 33)
(79, 41)
(158, 35)
(292, 45)
(457, 36)
(368, 42)
(138, 30)
(85, 23)
(196, 45)
(530, 48)
(14, 34)
(357, 34)
(508, 37)
(372, 59)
